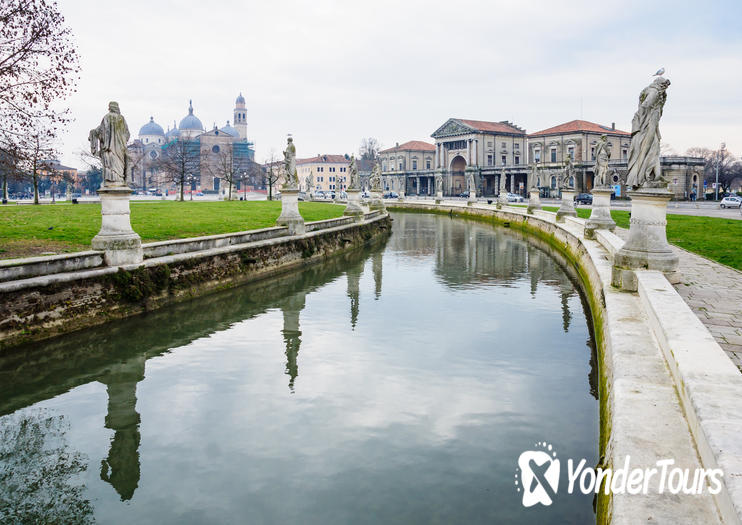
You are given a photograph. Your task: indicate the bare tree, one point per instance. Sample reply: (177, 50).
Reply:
(729, 166)
(273, 169)
(225, 166)
(38, 67)
(369, 149)
(179, 162)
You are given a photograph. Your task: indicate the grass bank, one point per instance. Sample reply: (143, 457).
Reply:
(33, 230)
(711, 237)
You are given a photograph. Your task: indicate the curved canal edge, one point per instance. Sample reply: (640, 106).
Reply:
(667, 389)
(55, 300)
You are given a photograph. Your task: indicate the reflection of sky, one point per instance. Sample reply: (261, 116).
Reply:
(418, 414)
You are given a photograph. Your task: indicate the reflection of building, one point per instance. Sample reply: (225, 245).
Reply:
(330, 172)
(206, 146)
(409, 167)
(483, 149)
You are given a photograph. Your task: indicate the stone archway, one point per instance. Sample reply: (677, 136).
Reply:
(458, 178)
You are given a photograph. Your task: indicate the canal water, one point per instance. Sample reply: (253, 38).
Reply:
(398, 384)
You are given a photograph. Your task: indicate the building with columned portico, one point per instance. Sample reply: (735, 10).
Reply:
(409, 168)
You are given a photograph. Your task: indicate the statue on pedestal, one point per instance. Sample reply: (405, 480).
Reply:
(535, 181)
(602, 156)
(376, 178)
(310, 182)
(438, 184)
(503, 179)
(645, 170)
(289, 165)
(471, 185)
(354, 182)
(108, 142)
(568, 174)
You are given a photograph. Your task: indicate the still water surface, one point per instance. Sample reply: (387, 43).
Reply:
(393, 385)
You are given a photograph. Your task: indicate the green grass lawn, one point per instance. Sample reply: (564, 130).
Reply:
(32, 230)
(711, 237)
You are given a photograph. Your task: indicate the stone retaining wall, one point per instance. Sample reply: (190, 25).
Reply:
(42, 306)
(667, 390)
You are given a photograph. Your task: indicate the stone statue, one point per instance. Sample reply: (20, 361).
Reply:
(568, 174)
(354, 182)
(644, 153)
(438, 183)
(471, 185)
(289, 166)
(535, 181)
(310, 181)
(602, 156)
(108, 141)
(503, 179)
(376, 178)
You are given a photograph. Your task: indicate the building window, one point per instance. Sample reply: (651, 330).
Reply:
(516, 146)
(489, 144)
(215, 149)
(456, 144)
(504, 145)
(553, 154)
(489, 160)
(414, 164)
(383, 167)
(537, 155)
(624, 154)
(401, 165)
(427, 164)
(571, 152)
(517, 160)
(504, 160)
(553, 183)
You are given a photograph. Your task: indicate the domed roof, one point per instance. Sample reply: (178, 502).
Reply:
(240, 99)
(172, 133)
(229, 130)
(151, 128)
(190, 121)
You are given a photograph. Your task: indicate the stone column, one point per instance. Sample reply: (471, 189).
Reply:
(120, 244)
(600, 217)
(534, 200)
(290, 216)
(468, 152)
(353, 208)
(567, 208)
(647, 246)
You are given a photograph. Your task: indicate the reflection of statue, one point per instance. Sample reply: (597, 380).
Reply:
(108, 141)
(289, 166)
(354, 181)
(602, 156)
(438, 183)
(376, 178)
(292, 308)
(644, 153)
(377, 264)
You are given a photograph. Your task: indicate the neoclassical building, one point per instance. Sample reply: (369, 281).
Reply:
(152, 141)
(577, 139)
(409, 167)
(330, 172)
(485, 149)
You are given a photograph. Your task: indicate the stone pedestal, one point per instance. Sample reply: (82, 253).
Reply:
(472, 198)
(502, 200)
(567, 208)
(120, 244)
(401, 196)
(439, 197)
(534, 200)
(647, 246)
(290, 216)
(600, 217)
(377, 202)
(353, 208)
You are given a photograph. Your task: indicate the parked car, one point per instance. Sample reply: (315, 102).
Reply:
(302, 196)
(319, 194)
(365, 195)
(584, 198)
(464, 194)
(513, 197)
(731, 202)
(391, 195)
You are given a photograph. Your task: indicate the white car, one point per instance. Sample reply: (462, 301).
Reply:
(512, 197)
(731, 202)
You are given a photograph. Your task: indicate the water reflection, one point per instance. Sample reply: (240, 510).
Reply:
(453, 364)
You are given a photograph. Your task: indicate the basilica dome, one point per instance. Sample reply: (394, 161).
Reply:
(151, 128)
(190, 122)
(229, 130)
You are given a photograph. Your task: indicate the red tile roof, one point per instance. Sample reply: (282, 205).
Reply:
(331, 159)
(497, 127)
(575, 126)
(413, 145)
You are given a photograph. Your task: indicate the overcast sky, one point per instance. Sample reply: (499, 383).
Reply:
(333, 72)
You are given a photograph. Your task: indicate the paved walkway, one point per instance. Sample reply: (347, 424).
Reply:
(714, 293)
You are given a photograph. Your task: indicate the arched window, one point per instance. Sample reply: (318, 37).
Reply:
(553, 182)
(215, 149)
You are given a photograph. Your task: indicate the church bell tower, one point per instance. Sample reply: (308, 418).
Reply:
(240, 116)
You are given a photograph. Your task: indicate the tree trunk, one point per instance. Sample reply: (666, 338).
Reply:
(5, 187)
(270, 189)
(230, 190)
(182, 182)
(35, 187)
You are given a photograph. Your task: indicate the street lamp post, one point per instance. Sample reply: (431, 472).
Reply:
(719, 160)
(244, 185)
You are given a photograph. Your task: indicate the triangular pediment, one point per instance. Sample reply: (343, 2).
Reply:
(453, 127)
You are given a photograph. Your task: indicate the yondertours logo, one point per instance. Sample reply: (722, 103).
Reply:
(538, 473)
